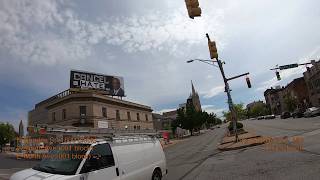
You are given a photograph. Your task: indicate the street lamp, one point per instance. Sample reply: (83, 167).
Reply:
(227, 89)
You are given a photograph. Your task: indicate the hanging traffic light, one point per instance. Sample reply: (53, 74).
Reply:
(213, 49)
(193, 8)
(278, 75)
(248, 82)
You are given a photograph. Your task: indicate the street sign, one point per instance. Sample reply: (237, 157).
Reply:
(103, 124)
(288, 66)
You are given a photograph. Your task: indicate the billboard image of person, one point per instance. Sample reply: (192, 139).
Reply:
(110, 85)
(117, 90)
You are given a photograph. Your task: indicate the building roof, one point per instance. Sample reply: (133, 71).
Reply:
(272, 90)
(170, 113)
(295, 82)
(68, 96)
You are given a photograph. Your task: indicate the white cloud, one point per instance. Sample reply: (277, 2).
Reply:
(213, 92)
(213, 109)
(164, 110)
(37, 32)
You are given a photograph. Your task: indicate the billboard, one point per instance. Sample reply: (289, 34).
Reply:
(110, 85)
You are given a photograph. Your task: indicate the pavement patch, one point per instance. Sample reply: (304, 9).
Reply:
(245, 140)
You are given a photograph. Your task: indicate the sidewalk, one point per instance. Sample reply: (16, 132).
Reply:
(245, 140)
(171, 142)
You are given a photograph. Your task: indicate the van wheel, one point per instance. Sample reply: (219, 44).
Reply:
(156, 175)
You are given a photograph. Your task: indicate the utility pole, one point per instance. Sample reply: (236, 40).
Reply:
(194, 11)
(214, 54)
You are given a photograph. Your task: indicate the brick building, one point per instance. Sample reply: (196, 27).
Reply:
(312, 79)
(274, 100)
(297, 90)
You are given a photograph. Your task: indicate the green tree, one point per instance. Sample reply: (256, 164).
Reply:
(240, 111)
(291, 103)
(7, 133)
(192, 120)
(258, 110)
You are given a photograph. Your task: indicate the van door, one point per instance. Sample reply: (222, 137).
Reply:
(100, 164)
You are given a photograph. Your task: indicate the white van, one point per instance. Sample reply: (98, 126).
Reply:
(122, 158)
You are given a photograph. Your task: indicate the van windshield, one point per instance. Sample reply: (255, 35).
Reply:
(63, 159)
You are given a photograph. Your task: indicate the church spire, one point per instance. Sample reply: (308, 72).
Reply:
(193, 90)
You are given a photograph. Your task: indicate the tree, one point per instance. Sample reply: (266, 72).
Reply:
(291, 103)
(240, 111)
(190, 119)
(7, 133)
(258, 110)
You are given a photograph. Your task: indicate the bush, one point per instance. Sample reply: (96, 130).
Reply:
(239, 126)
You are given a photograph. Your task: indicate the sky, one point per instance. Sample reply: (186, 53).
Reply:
(148, 43)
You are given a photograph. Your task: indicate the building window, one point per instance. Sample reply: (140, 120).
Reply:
(64, 114)
(83, 111)
(104, 112)
(138, 117)
(117, 115)
(146, 117)
(54, 116)
(129, 115)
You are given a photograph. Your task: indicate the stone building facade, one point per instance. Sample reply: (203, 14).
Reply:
(312, 79)
(92, 110)
(297, 90)
(274, 100)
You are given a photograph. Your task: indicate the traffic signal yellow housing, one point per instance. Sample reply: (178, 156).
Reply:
(213, 49)
(193, 8)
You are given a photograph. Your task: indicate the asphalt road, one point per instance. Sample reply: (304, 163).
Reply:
(254, 162)
(186, 156)
(198, 158)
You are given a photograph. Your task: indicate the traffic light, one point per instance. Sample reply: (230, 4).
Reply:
(248, 82)
(278, 75)
(193, 8)
(213, 49)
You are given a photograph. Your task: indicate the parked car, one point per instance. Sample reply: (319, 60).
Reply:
(285, 115)
(129, 158)
(298, 113)
(260, 117)
(272, 116)
(312, 112)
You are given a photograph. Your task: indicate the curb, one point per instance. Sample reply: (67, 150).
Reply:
(240, 147)
(257, 136)
(231, 145)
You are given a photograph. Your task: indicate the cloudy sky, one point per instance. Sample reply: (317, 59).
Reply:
(148, 42)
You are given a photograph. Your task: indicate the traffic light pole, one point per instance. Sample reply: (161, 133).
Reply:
(293, 66)
(228, 91)
(230, 103)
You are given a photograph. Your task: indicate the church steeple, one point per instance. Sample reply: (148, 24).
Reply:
(194, 98)
(193, 90)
